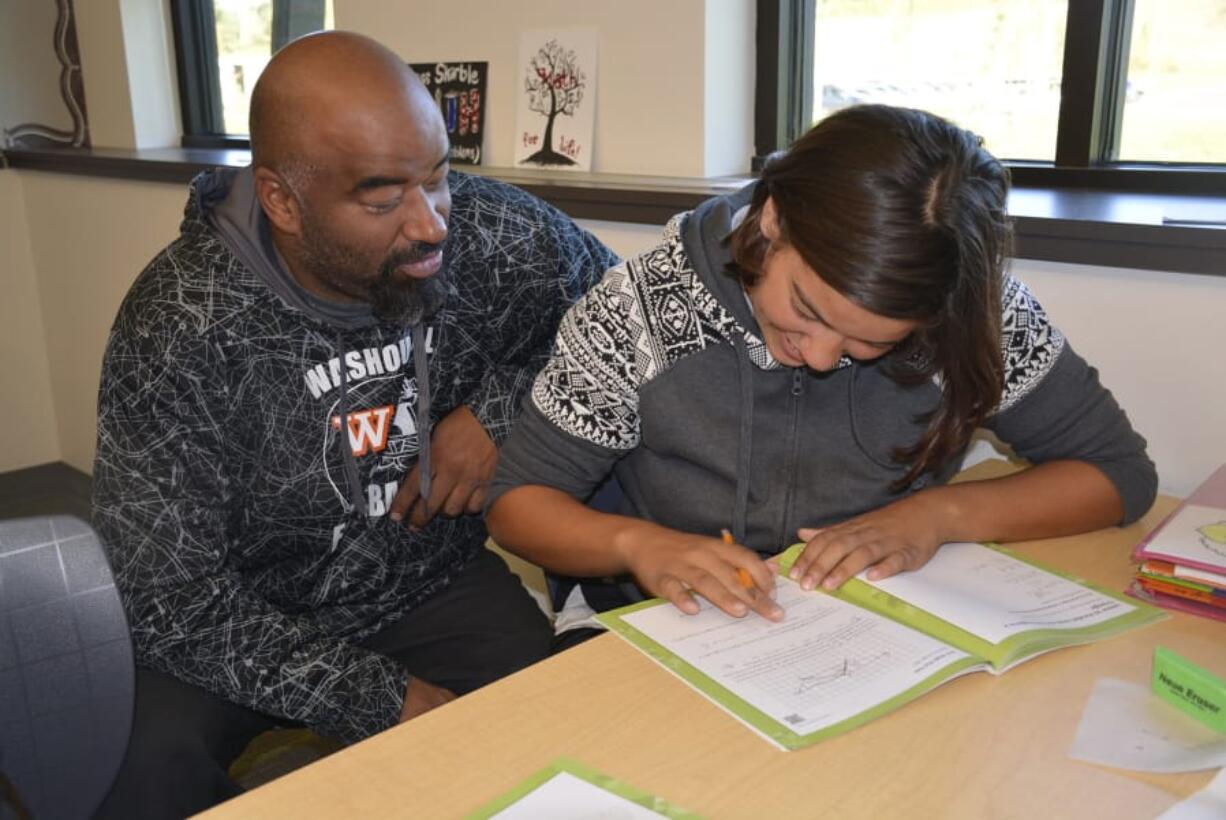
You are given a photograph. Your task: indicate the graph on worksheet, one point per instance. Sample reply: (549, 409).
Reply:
(825, 662)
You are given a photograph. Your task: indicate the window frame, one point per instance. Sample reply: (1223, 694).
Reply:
(1097, 38)
(195, 36)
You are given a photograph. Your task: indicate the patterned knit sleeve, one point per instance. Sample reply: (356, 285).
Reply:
(164, 497)
(582, 414)
(1054, 407)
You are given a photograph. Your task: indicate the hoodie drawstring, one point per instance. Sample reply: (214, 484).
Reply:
(351, 463)
(422, 369)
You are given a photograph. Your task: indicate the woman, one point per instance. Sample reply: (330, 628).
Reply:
(807, 359)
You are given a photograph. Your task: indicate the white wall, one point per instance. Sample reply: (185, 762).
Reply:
(29, 69)
(128, 71)
(90, 238)
(26, 406)
(1156, 339)
(652, 94)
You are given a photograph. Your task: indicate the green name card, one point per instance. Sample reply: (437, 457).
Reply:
(1189, 688)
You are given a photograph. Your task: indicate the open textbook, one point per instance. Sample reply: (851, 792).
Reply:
(841, 659)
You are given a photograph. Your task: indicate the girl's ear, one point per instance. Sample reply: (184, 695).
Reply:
(768, 223)
(280, 204)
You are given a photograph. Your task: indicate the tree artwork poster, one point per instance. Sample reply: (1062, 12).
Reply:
(555, 119)
(459, 90)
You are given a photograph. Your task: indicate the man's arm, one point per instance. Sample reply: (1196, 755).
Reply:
(164, 505)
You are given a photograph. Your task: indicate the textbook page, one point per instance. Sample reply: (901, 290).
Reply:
(828, 662)
(994, 596)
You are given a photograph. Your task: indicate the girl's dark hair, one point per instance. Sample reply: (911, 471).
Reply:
(903, 213)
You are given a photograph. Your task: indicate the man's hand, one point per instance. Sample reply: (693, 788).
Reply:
(420, 697)
(462, 462)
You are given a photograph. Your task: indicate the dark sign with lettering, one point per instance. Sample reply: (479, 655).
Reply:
(459, 90)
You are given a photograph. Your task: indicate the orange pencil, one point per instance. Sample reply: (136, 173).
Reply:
(742, 574)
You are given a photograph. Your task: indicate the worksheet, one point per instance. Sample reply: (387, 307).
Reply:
(827, 661)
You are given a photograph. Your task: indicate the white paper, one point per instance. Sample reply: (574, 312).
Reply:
(555, 116)
(1127, 726)
(566, 797)
(825, 662)
(1194, 534)
(993, 595)
(1207, 804)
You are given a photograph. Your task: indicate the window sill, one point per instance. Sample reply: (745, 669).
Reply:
(1185, 234)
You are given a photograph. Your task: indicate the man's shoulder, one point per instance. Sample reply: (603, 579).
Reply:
(195, 279)
(490, 205)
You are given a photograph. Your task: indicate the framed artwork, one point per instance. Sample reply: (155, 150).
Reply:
(556, 108)
(459, 91)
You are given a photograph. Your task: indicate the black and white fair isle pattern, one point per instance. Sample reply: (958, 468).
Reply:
(653, 310)
(218, 481)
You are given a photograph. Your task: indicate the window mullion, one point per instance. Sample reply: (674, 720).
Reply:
(783, 107)
(1076, 134)
(1115, 80)
(196, 56)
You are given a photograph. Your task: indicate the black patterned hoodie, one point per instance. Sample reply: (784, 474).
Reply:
(247, 533)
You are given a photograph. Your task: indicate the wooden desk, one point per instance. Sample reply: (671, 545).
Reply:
(977, 747)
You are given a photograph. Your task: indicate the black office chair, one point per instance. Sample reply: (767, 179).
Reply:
(67, 680)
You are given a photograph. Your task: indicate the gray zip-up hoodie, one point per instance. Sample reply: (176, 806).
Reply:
(660, 374)
(245, 522)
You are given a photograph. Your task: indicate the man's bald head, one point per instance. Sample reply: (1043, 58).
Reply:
(328, 84)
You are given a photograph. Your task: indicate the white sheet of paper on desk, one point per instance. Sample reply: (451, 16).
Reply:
(825, 662)
(993, 595)
(1127, 726)
(1207, 804)
(566, 797)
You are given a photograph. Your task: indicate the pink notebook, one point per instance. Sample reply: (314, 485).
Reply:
(1194, 534)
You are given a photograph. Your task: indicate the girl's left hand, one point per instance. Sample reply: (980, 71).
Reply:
(897, 537)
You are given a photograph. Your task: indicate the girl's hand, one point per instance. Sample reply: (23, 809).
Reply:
(897, 537)
(676, 565)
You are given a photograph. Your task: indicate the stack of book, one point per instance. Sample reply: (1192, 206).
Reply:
(1183, 561)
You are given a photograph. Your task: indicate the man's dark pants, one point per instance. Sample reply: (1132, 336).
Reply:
(481, 628)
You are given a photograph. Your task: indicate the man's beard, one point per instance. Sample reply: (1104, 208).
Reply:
(393, 298)
(403, 300)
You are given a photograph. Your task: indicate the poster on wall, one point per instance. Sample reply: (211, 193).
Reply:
(459, 91)
(555, 117)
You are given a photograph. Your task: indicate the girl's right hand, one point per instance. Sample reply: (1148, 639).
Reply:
(677, 565)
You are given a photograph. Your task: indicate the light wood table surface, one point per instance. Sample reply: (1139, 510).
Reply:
(978, 747)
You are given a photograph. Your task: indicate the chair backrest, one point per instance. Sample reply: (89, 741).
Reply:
(67, 680)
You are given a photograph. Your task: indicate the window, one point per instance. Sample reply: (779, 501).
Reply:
(223, 46)
(1175, 98)
(1109, 94)
(993, 67)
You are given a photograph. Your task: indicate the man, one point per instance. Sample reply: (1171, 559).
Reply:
(300, 405)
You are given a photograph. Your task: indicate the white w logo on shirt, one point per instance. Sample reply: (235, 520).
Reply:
(368, 429)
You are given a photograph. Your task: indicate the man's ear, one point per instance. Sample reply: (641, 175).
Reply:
(279, 202)
(768, 223)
